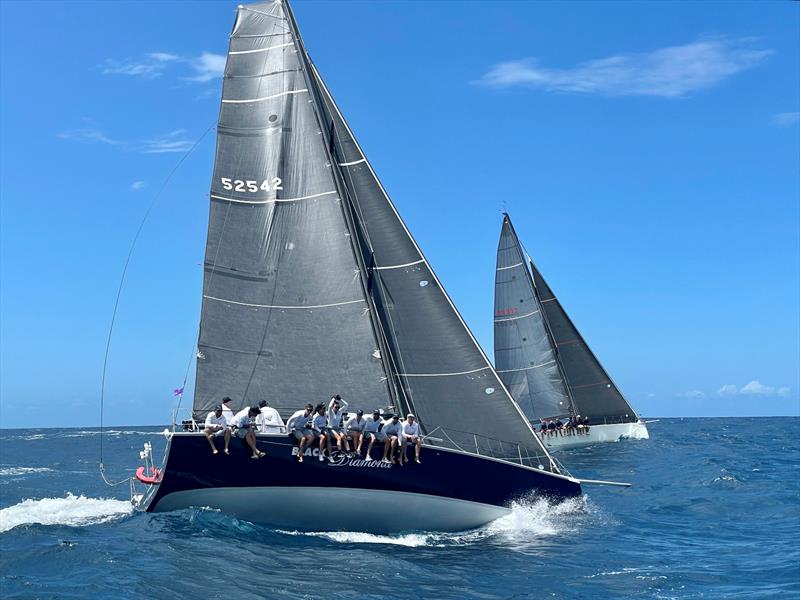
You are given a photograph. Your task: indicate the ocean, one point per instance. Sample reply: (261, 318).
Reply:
(714, 512)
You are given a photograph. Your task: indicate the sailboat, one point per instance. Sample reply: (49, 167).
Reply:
(544, 361)
(313, 285)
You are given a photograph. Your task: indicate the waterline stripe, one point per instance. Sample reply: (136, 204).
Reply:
(355, 162)
(226, 199)
(279, 306)
(265, 97)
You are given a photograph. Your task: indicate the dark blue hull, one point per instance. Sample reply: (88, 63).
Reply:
(453, 489)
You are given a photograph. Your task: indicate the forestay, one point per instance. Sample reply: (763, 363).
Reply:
(523, 351)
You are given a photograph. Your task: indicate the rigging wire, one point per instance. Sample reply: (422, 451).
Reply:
(121, 284)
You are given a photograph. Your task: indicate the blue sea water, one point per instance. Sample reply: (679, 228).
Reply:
(714, 512)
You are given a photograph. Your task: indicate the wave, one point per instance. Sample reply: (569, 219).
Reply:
(528, 522)
(111, 432)
(71, 510)
(11, 471)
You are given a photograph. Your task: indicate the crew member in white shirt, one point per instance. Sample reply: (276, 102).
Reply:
(410, 436)
(335, 422)
(394, 434)
(355, 429)
(372, 431)
(269, 421)
(216, 426)
(227, 411)
(321, 430)
(299, 425)
(243, 429)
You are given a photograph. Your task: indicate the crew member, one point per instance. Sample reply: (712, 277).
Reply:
(216, 426)
(372, 431)
(355, 429)
(243, 429)
(299, 425)
(319, 425)
(268, 421)
(410, 436)
(394, 433)
(227, 411)
(334, 415)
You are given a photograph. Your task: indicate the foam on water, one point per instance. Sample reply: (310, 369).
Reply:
(71, 510)
(528, 521)
(11, 471)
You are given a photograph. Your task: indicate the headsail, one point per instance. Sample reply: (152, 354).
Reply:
(594, 393)
(523, 351)
(321, 287)
(285, 315)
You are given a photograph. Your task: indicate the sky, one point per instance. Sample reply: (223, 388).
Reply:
(648, 153)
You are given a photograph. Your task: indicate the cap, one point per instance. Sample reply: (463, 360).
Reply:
(262, 403)
(218, 407)
(376, 412)
(225, 400)
(359, 412)
(411, 415)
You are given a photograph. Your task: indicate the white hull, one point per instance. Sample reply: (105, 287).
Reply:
(316, 509)
(597, 434)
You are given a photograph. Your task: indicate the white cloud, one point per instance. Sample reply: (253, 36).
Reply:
(207, 66)
(138, 185)
(174, 141)
(754, 388)
(670, 72)
(87, 136)
(786, 118)
(694, 394)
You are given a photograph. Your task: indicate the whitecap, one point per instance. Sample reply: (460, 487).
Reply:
(12, 471)
(71, 510)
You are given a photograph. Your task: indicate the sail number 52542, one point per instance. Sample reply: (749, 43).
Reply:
(251, 185)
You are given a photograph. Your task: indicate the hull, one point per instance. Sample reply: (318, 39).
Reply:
(449, 491)
(597, 434)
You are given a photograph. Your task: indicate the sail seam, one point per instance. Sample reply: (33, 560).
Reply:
(282, 306)
(355, 162)
(261, 49)
(218, 197)
(530, 314)
(442, 374)
(549, 362)
(286, 93)
(411, 264)
(509, 267)
(261, 13)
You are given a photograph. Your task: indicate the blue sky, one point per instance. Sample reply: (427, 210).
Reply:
(647, 152)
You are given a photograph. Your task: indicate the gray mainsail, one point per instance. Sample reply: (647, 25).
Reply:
(594, 393)
(319, 286)
(523, 351)
(284, 314)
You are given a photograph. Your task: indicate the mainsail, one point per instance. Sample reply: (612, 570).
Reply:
(523, 350)
(313, 283)
(594, 393)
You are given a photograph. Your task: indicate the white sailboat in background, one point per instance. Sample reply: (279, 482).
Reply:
(544, 361)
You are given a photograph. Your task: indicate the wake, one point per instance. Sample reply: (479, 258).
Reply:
(528, 522)
(73, 511)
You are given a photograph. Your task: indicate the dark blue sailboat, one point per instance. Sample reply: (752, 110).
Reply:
(314, 285)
